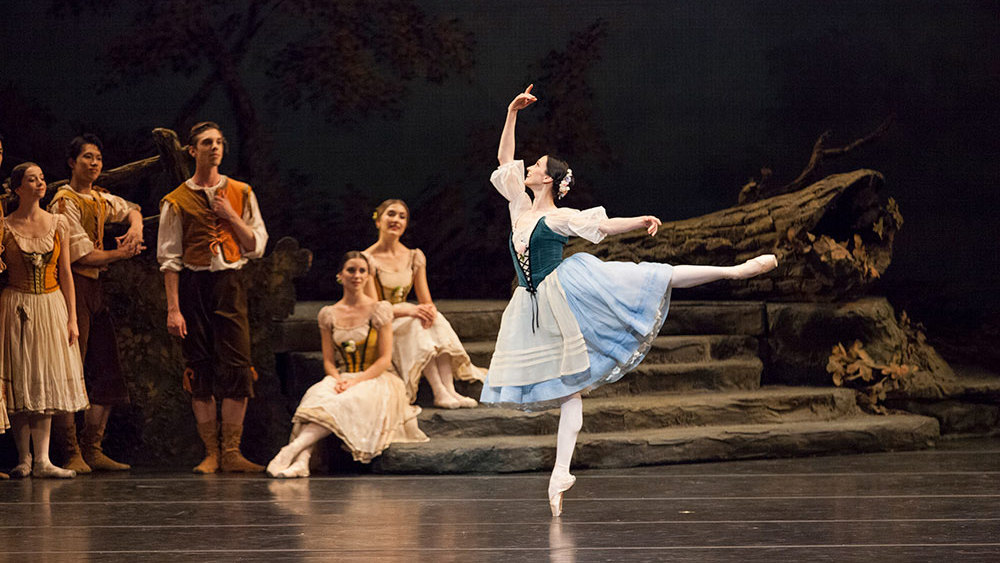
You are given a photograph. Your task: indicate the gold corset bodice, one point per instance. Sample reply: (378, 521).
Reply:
(392, 294)
(31, 272)
(355, 356)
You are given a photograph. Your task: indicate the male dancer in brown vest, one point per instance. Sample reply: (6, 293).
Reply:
(209, 227)
(89, 208)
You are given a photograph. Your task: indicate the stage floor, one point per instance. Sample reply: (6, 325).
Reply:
(933, 505)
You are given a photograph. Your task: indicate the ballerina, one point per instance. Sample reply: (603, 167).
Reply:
(358, 400)
(423, 342)
(574, 324)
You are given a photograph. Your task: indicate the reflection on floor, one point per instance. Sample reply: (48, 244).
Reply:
(910, 506)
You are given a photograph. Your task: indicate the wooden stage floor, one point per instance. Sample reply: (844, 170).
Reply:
(934, 505)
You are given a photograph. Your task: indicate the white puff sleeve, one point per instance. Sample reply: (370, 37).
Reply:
(508, 179)
(326, 319)
(382, 315)
(574, 223)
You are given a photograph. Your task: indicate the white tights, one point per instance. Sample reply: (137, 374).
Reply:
(293, 459)
(691, 276)
(570, 423)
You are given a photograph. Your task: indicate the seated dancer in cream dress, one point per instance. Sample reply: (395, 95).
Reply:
(424, 343)
(358, 400)
(40, 362)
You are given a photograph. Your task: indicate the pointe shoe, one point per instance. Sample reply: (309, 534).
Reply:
(756, 266)
(22, 470)
(45, 470)
(559, 484)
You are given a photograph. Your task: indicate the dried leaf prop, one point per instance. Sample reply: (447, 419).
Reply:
(854, 367)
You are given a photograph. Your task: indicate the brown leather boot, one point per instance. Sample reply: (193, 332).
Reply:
(93, 454)
(209, 433)
(65, 434)
(232, 460)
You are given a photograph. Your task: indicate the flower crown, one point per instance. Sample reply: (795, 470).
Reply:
(564, 183)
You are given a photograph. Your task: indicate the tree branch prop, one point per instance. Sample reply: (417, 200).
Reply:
(756, 190)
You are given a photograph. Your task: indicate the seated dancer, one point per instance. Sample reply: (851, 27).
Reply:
(358, 400)
(575, 324)
(39, 357)
(423, 343)
(210, 226)
(88, 208)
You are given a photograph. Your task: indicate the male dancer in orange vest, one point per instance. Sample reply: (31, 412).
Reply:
(209, 227)
(88, 207)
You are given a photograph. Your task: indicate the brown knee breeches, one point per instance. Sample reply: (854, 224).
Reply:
(217, 346)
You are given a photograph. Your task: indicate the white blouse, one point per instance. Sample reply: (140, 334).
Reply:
(170, 238)
(509, 181)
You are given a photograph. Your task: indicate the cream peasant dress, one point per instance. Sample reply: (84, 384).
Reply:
(413, 346)
(372, 414)
(41, 372)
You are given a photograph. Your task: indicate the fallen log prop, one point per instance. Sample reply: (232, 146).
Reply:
(833, 239)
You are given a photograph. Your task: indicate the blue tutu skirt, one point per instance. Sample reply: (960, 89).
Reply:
(619, 307)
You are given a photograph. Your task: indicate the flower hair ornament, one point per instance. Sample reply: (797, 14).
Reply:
(564, 183)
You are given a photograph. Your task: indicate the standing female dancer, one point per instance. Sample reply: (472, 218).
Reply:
(39, 356)
(575, 324)
(358, 400)
(423, 342)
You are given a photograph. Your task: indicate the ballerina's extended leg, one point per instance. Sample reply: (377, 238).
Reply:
(309, 434)
(691, 276)
(570, 423)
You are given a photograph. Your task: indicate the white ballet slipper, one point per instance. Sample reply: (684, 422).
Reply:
(299, 468)
(22, 470)
(466, 402)
(44, 469)
(447, 403)
(281, 461)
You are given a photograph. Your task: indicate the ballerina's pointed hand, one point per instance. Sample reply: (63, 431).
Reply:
(652, 224)
(523, 100)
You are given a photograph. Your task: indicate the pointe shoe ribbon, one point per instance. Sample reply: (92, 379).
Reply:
(559, 484)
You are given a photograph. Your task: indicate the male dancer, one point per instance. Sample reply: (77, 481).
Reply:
(89, 208)
(209, 227)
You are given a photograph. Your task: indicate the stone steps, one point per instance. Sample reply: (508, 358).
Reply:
(696, 397)
(643, 412)
(302, 369)
(853, 434)
(478, 321)
(665, 349)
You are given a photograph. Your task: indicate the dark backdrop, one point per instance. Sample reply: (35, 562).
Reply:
(675, 106)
